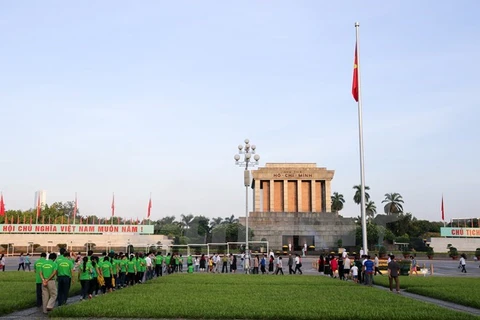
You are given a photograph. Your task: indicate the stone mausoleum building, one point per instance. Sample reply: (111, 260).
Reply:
(292, 208)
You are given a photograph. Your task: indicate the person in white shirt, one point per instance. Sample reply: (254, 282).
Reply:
(298, 264)
(279, 266)
(354, 271)
(148, 261)
(463, 263)
(346, 267)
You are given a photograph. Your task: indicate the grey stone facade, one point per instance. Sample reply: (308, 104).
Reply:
(324, 227)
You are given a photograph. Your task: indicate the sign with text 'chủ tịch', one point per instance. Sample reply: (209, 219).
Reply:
(460, 232)
(76, 228)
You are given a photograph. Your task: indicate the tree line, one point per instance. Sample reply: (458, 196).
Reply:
(393, 226)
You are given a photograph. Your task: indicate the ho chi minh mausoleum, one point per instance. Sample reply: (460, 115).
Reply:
(292, 207)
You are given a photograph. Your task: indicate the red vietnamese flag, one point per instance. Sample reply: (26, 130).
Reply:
(355, 76)
(39, 208)
(149, 207)
(443, 211)
(75, 208)
(113, 205)
(2, 206)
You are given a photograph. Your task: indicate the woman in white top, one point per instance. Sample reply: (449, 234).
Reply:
(2, 262)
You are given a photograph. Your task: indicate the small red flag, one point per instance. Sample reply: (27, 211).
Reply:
(75, 208)
(39, 208)
(355, 76)
(2, 206)
(113, 205)
(149, 207)
(443, 211)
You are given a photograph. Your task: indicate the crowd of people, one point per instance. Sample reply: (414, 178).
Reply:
(113, 271)
(361, 270)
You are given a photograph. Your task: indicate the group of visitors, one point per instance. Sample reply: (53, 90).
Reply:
(360, 270)
(255, 264)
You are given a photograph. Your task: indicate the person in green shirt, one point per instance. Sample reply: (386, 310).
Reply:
(94, 285)
(116, 268)
(49, 289)
(37, 267)
(85, 271)
(141, 267)
(64, 277)
(123, 271)
(131, 270)
(168, 260)
(180, 263)
(107, 272)
(159, 264)
(189, 260)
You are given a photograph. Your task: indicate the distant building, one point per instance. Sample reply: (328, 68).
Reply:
(43, 198)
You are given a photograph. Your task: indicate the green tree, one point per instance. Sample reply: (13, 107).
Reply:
(370, 209)
(393, 203)
(230, 220)
(215, 222)
(357, 198)
(337, 202)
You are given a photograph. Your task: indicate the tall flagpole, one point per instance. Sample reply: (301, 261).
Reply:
(360, 138)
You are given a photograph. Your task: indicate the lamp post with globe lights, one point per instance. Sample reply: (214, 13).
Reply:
(247, 151)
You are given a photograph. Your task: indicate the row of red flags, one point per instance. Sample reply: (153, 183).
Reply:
(39, 207)
(61, 220)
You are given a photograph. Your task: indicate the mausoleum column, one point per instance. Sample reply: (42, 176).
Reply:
(314, 196)
(272, 196)
(256, 195)
(299, 195)
(328, 194)
(285, 196)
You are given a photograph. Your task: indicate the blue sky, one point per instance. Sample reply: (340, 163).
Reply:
(115, 96)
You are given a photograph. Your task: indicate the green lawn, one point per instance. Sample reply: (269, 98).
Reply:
(207, 296)
(463, 291)
(18, 291)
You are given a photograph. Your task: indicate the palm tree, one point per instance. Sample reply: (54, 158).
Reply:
(393, 203)
(357, 197)
(186, 220)
(370, 209)
(230, 220)
(337, 202)
(215, 222)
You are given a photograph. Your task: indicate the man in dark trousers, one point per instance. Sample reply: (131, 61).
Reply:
(393, 272)
(290, 264)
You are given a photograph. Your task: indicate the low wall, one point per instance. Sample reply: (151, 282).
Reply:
(79, 240)
(462, 244)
